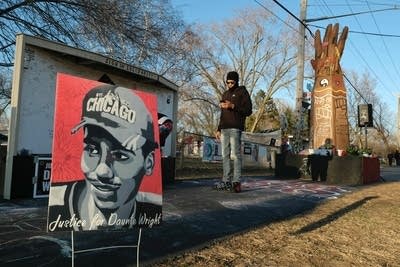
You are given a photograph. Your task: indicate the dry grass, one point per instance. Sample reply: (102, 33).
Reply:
(358, 229)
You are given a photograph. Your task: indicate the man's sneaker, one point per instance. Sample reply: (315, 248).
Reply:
(237, 187)
(223, 186)
(228, 186)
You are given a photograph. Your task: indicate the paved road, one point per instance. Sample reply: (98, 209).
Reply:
(193, 215)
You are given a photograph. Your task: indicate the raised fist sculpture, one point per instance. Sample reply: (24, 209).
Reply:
(329, 98)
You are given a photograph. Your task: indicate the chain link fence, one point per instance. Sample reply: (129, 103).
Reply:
(200, 155)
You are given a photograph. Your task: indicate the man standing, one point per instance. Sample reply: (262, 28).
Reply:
(235, 107)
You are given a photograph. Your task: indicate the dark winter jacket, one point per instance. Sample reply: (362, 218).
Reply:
(236, 117)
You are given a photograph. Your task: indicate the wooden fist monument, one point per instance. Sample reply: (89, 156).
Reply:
(329, 98)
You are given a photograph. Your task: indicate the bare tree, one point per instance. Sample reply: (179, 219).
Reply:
(144, 33)
(382, 130)
(200, 114)
(250, 44)
(141, 32)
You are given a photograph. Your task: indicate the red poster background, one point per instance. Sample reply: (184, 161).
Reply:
(67, 147)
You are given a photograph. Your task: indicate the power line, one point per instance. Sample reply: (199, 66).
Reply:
(360, 55)
(283, 21)
(361, 4)
(276, 16)
(390, 94)
(306, 26)
(366, 63)
(358, 52)
(372, 48)
(384, 43)
(348, 15)
(355, 89)
(294, 16)
(366, 33)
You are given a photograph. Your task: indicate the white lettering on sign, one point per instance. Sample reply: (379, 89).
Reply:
(144, 220)
(111, 104)
(66, 224)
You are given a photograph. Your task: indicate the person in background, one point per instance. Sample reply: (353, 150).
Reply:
(319, 164)
(397, 157)
(286, 148)
(281, 169)
(235, 106)
(331, 149)
(390, 159)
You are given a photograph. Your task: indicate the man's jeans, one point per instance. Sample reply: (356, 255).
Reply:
(231, 142)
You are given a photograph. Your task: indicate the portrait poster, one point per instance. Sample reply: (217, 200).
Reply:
(106, 163)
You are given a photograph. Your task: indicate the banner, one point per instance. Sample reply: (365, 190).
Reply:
(41, 186)
(211, 150)
(106, 163)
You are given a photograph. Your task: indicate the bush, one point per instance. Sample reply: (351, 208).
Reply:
(356, 151)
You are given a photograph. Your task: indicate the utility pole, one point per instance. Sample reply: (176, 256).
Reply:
(300, 77)
(299, 112)
(398, 120)
(300, 57)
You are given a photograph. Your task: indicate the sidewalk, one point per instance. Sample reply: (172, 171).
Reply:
(193, 215)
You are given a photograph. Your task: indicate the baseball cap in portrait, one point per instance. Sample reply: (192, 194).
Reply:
(121, 112)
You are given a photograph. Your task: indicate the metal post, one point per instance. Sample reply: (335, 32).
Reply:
(182, 151)
(72, 249)
(137, 246)
(366, 145)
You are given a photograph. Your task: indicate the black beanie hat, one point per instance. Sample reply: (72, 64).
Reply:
(233, 75)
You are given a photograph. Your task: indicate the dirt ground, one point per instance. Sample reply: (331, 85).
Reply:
(361, 228)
